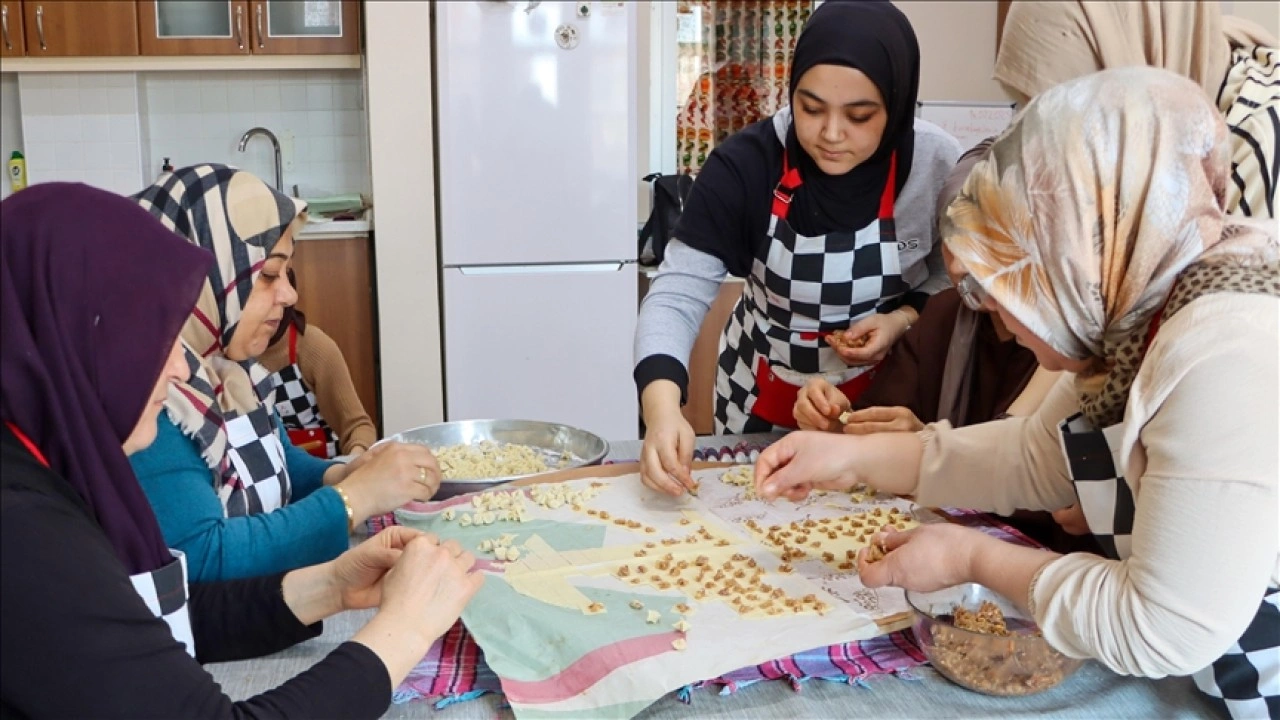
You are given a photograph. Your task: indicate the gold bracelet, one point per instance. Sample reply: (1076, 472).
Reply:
(351, 514)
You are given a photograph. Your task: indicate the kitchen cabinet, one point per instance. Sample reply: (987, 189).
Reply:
(336, 293)
(244, 27)
(700, 408)
(11, 44)
(66, 28)
(194, 27)
(289, 27)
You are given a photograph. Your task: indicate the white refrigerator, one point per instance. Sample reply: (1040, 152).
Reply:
(537, 141)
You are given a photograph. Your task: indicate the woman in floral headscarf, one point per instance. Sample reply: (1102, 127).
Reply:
(229, 488)
(1096, 229)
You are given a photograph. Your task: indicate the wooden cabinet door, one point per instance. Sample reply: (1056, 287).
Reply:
(700, 410)
(335, 292)
(81, 28)
(290, 27)
(11, 44)
(194, 27)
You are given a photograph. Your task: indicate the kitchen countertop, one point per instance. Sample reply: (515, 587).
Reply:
(1092, 692)
(338, 228)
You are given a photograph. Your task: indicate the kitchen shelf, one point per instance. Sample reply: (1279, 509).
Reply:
(201, 62)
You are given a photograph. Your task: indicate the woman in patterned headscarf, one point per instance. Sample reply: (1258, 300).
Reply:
(99, 619)
(229, 488)
(1096, 229)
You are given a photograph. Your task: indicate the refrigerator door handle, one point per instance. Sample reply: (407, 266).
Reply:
(546, 269)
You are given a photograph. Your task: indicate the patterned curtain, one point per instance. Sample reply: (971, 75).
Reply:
(732, 62)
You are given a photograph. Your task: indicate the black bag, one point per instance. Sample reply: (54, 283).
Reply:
(669, 194)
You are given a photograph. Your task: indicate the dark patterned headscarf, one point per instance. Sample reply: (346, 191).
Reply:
(239, 218)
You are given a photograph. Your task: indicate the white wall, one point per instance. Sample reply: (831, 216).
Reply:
(10, 124)
(957, 49)
(113, 130)
(82, 127)
(1264, 12)
(199, 117)
(398, 38)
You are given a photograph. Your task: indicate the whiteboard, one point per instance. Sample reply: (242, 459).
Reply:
(970, 123)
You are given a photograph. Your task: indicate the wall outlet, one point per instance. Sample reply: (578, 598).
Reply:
(286, 150)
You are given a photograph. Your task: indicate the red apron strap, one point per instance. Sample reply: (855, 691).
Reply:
(293, 344)
(785, 188)
(26, 442)
(890, 193)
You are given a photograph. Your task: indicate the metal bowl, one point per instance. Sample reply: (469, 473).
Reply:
(551, 439)
(1021, 663)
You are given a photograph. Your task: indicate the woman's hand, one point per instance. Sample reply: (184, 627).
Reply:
(666, 458)
(339, 471)
(940, 555)
(1071, 519)
(819, 406)
(388, 476)
(804, 461)
(357, 573)
(421, 596)
(926, 558)
(881, 331)
(882, 419)
(428, 586)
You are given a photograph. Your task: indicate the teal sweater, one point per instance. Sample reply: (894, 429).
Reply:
(311, 529)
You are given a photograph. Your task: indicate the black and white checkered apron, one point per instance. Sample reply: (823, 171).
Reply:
(258, 458)
(164, 591)
(1246, 680)
(297, 406)
(803, 289)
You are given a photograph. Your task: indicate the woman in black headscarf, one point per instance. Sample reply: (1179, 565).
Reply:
(827, 210)
(99, 620)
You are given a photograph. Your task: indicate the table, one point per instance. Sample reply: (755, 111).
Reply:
(1093, 692)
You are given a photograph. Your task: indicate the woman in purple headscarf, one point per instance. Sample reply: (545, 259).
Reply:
(98, 618)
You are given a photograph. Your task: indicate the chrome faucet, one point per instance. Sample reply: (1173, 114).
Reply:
(275, 145)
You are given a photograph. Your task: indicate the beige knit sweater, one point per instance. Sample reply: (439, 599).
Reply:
(1202, 443)
(325, 372)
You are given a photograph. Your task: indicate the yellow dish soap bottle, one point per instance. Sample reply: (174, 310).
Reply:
(17, 171)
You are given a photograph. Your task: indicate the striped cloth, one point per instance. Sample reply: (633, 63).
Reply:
(1250, 103)
(454, 669)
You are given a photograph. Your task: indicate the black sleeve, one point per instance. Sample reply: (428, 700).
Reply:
(77, 640)
(727, 212)
(662, 367)
(224, 631)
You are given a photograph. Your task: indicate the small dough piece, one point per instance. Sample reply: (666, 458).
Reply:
(653, 617)
(680, 644)
(637, 605)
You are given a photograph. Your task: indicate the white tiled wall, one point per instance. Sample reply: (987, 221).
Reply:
(199, 117)
(113, 130)
(82, 127)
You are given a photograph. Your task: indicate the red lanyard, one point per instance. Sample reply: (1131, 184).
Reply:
(26, 442)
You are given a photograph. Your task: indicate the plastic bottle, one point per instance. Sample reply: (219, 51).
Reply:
(17, 171)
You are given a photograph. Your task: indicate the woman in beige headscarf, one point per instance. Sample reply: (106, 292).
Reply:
(1233, 60)
(1095, 228)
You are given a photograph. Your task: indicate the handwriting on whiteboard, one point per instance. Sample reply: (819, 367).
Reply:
(970, 124)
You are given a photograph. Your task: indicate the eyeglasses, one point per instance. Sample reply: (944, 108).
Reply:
(971, 292)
